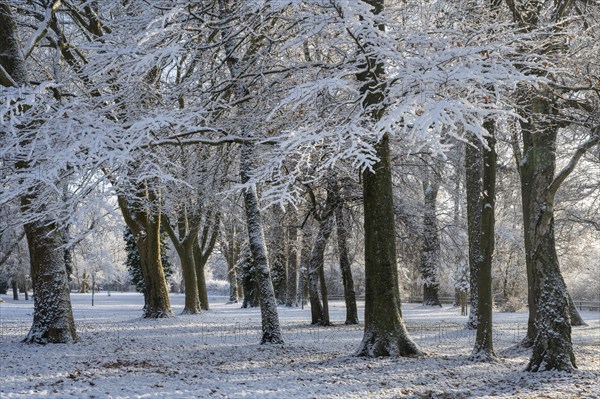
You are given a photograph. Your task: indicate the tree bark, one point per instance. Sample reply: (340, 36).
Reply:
(52, 315)
(249, 285)
(345, 265)
(145, 227)
(203, 245)
(278, 258)
(526, 176)
(484, 344)
(200, 265)
(552, 347)
(473, 185)
(292, 262)
(549, 322)
(158, 303)
(312, 276)
(316, 264)
(15, 289)
(304, 263)
(183, 241)
(430, 251)
(271, 331)
(190, 280)
(384, 333)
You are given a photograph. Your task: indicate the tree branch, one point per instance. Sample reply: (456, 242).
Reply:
(5, 79)
(6, 255)
(42, 29)
(566, 171)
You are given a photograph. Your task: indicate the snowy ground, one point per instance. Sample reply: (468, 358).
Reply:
(216, 355)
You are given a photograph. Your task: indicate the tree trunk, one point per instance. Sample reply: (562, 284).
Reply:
(271, 332)
(292, 262)
(146, 230)
(52, 314)
(552, 347)
(156, 293)
(526, 175)
(484, 345)
(183, 241)
(345, 266)
(576, 319)
(233, 286)
(204, 244)
(230, 247)
(249, 283)
(385, 333)
(25, 288)
(473, 185)
(304, 263)
(278, 258)
(430, 251)
(190, 279)
(15, 289)
(316, 264)
(312, 277)
(200, 263)
(83, 288)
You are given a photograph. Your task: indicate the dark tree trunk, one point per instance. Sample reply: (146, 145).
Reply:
(203, 245)
(52, 314)
(316, 265)
(430, 251)
(484, 345)
(549, 321)
(552, 347)
(473, 185)
(15, 289)
(345, 266)
(292, 262)
(278, 256)
(526, 175)
(249, 284)
(304, 263)
(200, 264)
(385, 333)
(312, 275)
(25, 288)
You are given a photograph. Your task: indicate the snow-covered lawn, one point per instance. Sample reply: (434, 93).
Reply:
(216, 355)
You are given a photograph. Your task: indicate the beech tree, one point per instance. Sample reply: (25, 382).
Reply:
(540, 122)
(52, 318)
